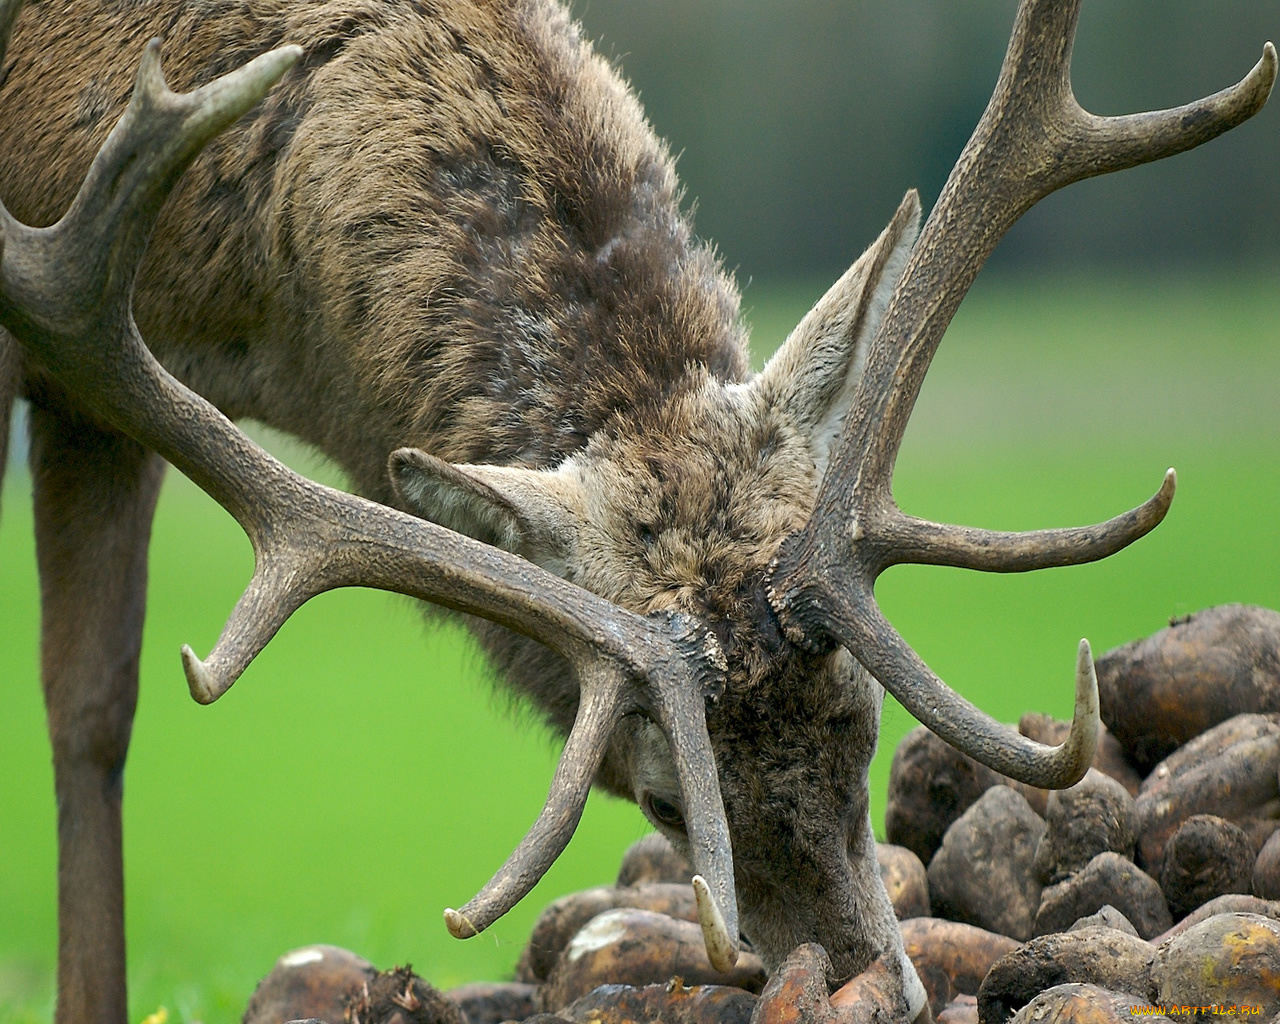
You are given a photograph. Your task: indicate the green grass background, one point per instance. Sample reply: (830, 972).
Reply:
(363, 775)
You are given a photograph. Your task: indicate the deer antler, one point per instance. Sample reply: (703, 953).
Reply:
(1033, 138)
(66, 296)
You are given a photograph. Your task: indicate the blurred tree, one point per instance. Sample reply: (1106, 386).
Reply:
(800, 123)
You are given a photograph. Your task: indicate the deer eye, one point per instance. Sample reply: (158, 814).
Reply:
(664, 811)
(648, 534)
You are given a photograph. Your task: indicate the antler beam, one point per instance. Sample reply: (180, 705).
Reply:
(1033, 139)
(66, 296)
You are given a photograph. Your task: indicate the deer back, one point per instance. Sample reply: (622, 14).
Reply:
(449, 227)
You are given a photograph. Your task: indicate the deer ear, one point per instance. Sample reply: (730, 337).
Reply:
(526, 511)
(813, 376)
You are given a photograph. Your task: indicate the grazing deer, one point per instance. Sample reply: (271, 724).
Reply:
(446, 249)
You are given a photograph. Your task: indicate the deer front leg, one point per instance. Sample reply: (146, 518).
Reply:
(95, 493)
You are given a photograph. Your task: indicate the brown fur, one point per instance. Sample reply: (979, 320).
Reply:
(450, 227)
(484, 219)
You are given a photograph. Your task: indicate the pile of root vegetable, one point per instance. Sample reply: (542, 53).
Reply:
(1149, 889)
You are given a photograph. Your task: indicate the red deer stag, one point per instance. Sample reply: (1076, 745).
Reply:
(446, 249)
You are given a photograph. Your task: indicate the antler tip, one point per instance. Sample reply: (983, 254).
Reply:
(276, 62)
(1263, 76)
(722, 951)
(1082, 740)
(150, 80)
(1086, 681)
(459, 926)
(204, 690)
(250, 83)
(1151, 513)
(1168, 488)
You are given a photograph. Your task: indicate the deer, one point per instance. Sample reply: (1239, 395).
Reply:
(440, 243)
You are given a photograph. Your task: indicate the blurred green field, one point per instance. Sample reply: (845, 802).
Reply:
(363, 774)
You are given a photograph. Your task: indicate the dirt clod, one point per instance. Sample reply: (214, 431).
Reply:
(1265, 879)
(1107, 879)
(492, 1003)
(314, 982)
(1082, 1004)
(639, 947)
(399, 996)
(672, 1003)
(653, 859)
(952, 958)
(1162, 691)
(1094, 816)
(1208, 856)
(1227, 960)
(983, 873)
(905, 879)
(1095, 956)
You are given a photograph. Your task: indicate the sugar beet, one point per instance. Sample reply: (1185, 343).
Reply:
(1161, 692)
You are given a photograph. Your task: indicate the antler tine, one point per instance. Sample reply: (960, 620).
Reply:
(279, 587)
(65, 295)
(97, 245)
(1032, 139)
(601, 707)
(681, 713)
(1106, 144)
(906, 539)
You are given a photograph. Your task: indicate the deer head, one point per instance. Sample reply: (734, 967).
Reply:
(681, 509)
